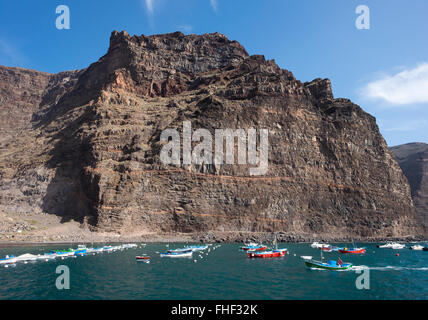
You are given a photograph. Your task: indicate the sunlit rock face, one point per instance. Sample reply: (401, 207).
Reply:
(86, 145)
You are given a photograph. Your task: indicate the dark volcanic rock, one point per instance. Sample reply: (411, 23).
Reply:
(413, 159)
(91, 151)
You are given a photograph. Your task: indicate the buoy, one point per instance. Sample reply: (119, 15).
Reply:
(194, 261)
(294, 254)
(397, 254)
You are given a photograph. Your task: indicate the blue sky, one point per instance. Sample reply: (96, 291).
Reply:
(383, 69)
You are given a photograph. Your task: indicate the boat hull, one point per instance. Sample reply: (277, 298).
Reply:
(313, 264)
(267, 254)
(262, 248)
(354, 251)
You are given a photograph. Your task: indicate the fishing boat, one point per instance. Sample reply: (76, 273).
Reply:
(197, 248)
(330, 265)
(64, 253)
(80, 252)
(417, 247)
(129, 245)
(176, 254)
(318, 245)
(254, 247)
(392, 245)
(142, 258)
(8, 260)
(267, 254)
(274, 253)
(353, 250)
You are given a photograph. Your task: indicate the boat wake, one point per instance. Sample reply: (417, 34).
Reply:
(389, 268)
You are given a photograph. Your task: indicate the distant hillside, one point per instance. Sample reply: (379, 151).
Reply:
(413, 160)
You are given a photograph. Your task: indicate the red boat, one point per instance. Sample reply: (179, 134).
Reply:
(267, 254)
(142, 258)
(352, 250)
(326, 249)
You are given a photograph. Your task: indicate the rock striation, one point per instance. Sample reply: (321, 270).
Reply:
(85, 145)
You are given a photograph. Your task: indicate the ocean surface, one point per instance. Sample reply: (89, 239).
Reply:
(223, 273)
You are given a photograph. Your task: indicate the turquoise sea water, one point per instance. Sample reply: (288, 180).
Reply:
(224, 273)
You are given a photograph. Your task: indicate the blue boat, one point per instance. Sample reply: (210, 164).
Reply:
(80, 252)
(177, 254)
(331, 265)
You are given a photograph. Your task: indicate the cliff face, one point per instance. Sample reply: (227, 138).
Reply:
(413, 159)
(91, 151)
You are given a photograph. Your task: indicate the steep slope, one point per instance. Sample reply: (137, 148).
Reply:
(95, 152)
(413, 159)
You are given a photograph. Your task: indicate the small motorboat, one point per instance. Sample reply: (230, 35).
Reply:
(254, 247)
(352, 250)
(267, 254)
(143, 258)
(8, 260)
(197, 248)
(326, 249)
(330, 265)
(176, 254)
(417, 247)
(81, 252)
(129, 245)
(318, 245)
(391, 245)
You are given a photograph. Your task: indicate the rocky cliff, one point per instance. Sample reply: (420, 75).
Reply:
(85, 145)
(413, 159)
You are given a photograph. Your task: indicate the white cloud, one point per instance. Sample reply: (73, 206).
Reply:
(409, 86)
(149, 5)
(214, 5)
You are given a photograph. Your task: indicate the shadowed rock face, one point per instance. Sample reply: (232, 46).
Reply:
(413, 159)
(92, 149)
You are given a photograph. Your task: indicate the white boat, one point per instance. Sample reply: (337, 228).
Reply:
(197, 248)
(417, 247)
(46, 257)
(8, 260)
(177, 254)
(392, 245)
(129, 245)
(318, 245)
(26, 257)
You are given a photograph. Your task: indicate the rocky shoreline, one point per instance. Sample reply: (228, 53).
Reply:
(210, 237)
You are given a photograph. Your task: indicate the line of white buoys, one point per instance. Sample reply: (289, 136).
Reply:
(81, 250)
